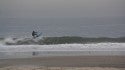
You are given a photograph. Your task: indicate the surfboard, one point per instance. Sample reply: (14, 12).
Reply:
(39, 34)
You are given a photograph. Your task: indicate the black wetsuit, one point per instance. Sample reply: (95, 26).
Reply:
(34, 34)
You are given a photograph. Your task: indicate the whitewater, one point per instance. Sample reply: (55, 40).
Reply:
(93, 49)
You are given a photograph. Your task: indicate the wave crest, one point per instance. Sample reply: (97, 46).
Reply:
(57, 40)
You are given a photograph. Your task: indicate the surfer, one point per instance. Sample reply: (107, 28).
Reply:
(36, 34)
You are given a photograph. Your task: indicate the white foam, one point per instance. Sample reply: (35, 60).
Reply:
(97, 46)
(19, 51)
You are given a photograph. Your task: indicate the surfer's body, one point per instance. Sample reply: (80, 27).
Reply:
(35, 34)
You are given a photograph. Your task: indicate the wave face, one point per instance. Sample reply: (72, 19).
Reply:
(57, 40)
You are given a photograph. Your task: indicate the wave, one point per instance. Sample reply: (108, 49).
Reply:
(57, 40)
(30, 51)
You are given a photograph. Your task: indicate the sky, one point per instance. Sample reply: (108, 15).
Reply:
(62, 8)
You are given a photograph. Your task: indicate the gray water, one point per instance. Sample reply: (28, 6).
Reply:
(30, 54)
(84, 27)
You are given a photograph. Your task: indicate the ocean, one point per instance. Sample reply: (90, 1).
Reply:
(28, 51)
(59, 26)
(61, 37)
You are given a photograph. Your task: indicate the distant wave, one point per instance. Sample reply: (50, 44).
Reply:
(57, 40)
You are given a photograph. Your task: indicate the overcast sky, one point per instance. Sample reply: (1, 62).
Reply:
(62, 8)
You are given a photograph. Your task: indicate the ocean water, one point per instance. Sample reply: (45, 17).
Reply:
(28, 51)
(84, 27)
(21, 28)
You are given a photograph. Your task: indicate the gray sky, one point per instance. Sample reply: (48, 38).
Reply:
(62, 8)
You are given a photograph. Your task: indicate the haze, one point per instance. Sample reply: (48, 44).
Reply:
(62, 8)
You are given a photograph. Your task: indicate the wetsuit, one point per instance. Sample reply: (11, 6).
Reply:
(34, 34)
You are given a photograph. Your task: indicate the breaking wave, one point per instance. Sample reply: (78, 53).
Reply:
(57, 40)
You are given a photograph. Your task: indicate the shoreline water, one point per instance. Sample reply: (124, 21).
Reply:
(29, 51)
(68, 61)
(102, 55)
